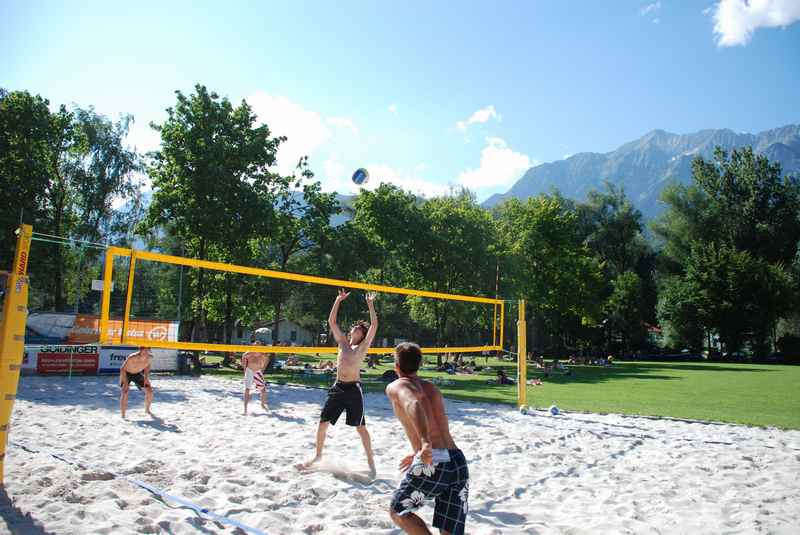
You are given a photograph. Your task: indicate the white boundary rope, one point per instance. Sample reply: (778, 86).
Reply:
(161, 494)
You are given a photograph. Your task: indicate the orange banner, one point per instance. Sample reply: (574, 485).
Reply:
(86, 330)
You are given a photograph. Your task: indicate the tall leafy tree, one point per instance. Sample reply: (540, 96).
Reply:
(209, 178)
(77, 162)
(547, 262)
(729, 236)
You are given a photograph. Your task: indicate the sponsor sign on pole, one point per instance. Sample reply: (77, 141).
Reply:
(68, 359)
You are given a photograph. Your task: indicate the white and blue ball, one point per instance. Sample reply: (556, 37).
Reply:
(523, 409)
(553, 410)
(361, 176)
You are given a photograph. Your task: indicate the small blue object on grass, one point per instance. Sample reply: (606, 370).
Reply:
(361, 176)
(554, 410)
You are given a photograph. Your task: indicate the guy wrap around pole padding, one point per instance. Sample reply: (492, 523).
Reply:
(163, 495)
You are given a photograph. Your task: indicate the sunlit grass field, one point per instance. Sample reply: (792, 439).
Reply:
(753, 394)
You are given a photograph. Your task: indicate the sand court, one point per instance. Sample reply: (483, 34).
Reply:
(573, 473)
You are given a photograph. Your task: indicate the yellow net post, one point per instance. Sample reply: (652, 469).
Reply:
(522, 353)
(12, 335)
(128, 299)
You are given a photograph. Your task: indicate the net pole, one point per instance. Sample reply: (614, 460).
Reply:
(502, 324)
(494, 324)
(128, 299)
(108, 267)
(12, 335)
(522, 354)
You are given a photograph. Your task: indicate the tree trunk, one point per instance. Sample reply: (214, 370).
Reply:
(201, 320)
(58, 258)
(228, 358)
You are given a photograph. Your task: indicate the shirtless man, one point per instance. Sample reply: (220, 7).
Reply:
(136, 368)
(437, 468)
(346, 394)
(254, 363)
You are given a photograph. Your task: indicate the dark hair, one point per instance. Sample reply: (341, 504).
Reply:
(363, 325)
(408, 356)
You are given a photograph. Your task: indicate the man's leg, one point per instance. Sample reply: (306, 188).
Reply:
(410, 523)
(246, 399)
(264, 398)
(148, 399)
(367, 442)
(322, 430)
(123, 400)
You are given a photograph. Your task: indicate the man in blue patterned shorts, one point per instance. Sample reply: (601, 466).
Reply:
(437, 469)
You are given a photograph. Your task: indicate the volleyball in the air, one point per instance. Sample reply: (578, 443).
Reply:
(554, 410)
(361, 176)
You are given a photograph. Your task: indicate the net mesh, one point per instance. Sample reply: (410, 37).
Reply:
(221, 306)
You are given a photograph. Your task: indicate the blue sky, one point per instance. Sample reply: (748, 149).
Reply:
(423, 94)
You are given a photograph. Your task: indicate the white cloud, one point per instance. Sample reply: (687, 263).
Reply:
(393, 109)
(656, 20)
(143, 138)
(567, 156)
(736, 20)
(500, 166)
(649, 8)
(335, 177)
(343, 122)
(305, 129)
(380, 173)
(481, 116)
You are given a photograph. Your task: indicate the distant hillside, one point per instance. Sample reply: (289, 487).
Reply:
(643, 167)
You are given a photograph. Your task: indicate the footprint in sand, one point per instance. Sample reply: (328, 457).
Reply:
(97, 476)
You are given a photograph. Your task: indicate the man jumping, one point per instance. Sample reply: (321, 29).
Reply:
(346, 395)
(136, 369)
(437, 468)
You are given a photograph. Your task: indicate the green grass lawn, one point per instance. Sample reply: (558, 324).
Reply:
(753, 394)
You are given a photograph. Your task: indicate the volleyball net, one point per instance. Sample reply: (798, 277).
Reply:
(223, 307)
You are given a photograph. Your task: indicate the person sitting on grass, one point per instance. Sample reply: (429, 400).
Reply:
(293, 360)
(326, 365)
(503, 379)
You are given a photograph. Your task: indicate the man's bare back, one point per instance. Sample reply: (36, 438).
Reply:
(137, 362)
(436, 468)
(136, 369)
(403, 390)
(253, 363)
(254, 360)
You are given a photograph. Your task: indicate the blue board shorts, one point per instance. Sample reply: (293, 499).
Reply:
(446, 481)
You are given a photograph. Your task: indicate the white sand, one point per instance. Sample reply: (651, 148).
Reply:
(575, 473)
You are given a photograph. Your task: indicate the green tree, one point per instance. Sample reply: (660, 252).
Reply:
(729, 236)
(614, 233)
(547, 263)
(25, 131)
(210, 176)
(67, 167)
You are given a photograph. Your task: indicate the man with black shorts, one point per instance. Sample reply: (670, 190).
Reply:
(436, 469)
(346, 394)
(136, 369)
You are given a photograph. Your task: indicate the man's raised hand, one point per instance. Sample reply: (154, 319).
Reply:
(342, 295)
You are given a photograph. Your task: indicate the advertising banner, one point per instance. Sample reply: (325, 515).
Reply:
(67, 360)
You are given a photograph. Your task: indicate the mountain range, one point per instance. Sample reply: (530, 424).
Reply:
(643, 167)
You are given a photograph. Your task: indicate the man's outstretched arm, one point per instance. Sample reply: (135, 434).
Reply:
(373, 319)
(332, 318)
(415, 411)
